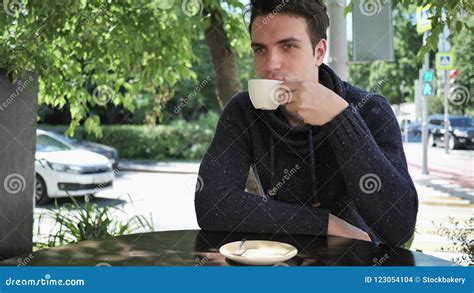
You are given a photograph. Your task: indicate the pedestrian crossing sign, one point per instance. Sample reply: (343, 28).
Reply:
(444, 61)
(423, 23)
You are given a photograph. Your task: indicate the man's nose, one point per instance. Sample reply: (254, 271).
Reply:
(273, 61)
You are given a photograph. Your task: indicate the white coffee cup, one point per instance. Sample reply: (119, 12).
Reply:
(264, 93)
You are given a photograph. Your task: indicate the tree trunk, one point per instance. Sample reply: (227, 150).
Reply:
(225, 67)
(223, 59)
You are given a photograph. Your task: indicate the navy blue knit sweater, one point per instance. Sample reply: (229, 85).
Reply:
(353, 167)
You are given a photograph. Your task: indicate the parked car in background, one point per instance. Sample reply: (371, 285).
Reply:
(110, 152)
(414, 127)
(461, 130)
(63, 170)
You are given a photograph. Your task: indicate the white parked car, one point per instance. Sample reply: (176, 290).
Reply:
(62, 170)
(110, 152)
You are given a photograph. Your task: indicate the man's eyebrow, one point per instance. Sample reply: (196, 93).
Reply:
(286, 40)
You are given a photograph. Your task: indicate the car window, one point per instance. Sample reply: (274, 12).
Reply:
(460, 122)
(45, 143)
(435, 122)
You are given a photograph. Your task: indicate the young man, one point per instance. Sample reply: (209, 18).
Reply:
(330, 158)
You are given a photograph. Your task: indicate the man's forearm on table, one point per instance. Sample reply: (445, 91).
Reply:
(248, 212)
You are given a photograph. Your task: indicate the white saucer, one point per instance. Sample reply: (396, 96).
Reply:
(259, 252)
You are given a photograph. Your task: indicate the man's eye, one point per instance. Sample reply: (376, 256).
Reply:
(289, 46)
(257, 50)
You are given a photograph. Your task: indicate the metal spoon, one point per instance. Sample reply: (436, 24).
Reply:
(240, 252)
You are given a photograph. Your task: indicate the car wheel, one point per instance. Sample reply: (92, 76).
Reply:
(431, 140)
(451, 142)
(41, 191)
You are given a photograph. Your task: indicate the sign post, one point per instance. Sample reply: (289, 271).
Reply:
(445, 61)
(423, 26)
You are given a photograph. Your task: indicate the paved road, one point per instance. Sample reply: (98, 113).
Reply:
(457, 166)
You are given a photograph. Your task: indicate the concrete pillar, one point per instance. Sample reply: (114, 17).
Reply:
(18, 108)
(338, 57)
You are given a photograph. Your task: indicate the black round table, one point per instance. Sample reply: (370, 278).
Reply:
(201, 248)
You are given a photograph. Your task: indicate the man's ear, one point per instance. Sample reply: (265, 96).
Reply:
(320, 51)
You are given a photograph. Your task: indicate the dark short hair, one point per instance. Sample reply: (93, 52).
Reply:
(314, 12)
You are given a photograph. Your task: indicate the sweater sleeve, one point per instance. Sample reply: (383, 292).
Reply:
(221, 202)
(371, 159)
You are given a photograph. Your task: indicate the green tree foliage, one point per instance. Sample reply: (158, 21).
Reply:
(386, 77)
(91, 53)
(443, 12)
(137, 53)
(461, 93)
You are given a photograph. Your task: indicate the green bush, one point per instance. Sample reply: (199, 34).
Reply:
(179, 140)
(461, 235)
(87, 221)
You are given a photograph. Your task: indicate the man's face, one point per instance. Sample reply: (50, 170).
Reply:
(282, 48)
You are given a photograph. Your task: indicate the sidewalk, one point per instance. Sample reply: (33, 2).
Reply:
(457, 167)
(445, 193)
(435, 209)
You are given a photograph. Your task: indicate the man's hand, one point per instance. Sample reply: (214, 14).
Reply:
(310, 101)
(339, 227)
